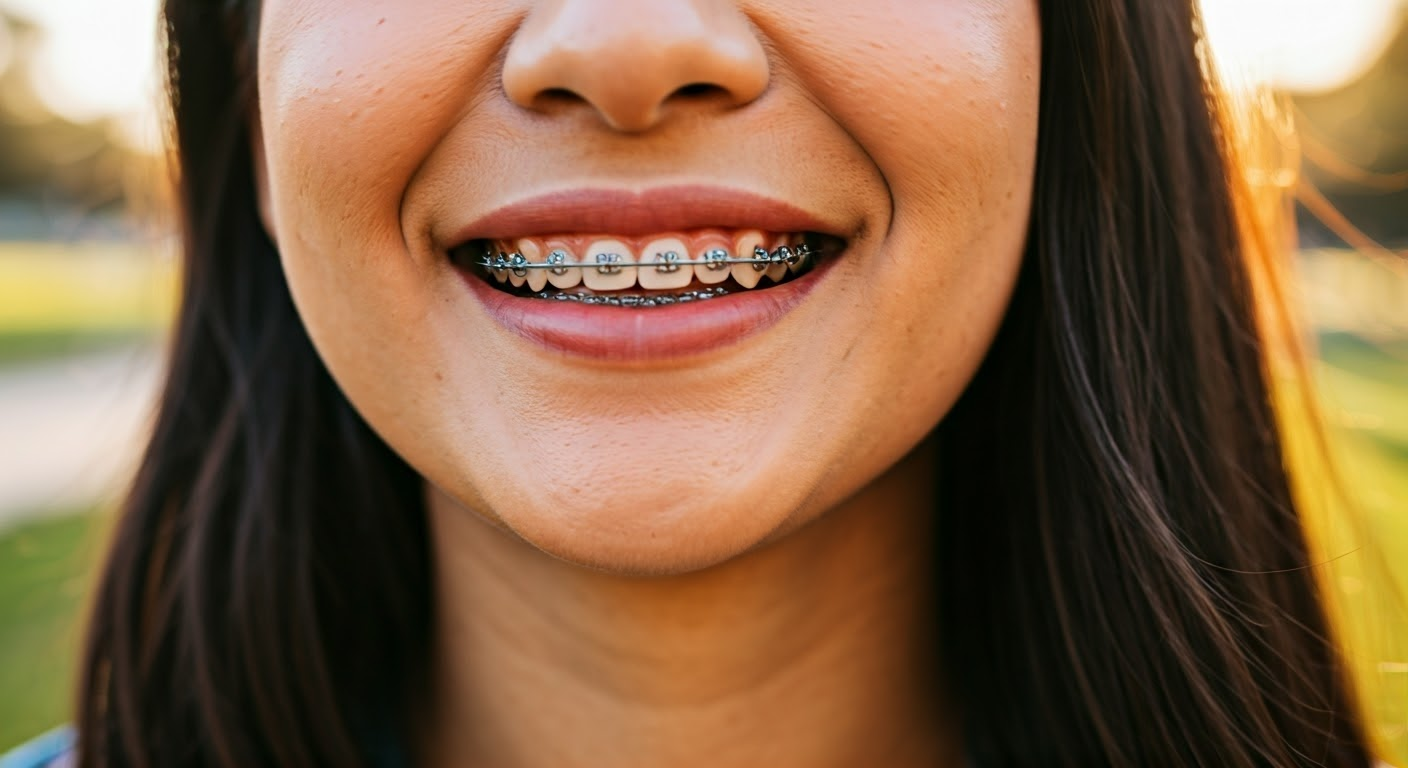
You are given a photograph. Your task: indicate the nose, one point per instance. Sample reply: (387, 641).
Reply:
(631, 59)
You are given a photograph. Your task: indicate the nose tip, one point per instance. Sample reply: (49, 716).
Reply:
(629, 60)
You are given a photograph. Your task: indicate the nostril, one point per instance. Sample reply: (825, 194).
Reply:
(564, 59)
(558, 95)
(697, 89)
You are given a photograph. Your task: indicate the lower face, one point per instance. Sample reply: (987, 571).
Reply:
(476, 203)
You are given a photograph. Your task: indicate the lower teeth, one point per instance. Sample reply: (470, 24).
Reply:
(635, 300)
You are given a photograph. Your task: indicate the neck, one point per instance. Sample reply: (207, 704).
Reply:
(815, 650)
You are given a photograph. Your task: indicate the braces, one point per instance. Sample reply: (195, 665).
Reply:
(634, 300)
(611, 263)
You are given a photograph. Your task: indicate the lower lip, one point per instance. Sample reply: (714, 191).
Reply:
(625, 335)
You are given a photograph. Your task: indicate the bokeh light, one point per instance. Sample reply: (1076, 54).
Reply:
(1299, 45)
(97, 59)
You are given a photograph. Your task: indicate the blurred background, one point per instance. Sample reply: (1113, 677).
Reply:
(88, 277)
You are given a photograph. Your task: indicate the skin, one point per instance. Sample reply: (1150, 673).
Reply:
(714, 560)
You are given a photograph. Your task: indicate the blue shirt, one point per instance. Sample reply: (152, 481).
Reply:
(55, 749)
(52, 750)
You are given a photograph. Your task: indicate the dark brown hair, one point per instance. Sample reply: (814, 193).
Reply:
(1122, 573)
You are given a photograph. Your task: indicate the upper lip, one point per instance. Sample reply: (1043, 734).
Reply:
(630, 213)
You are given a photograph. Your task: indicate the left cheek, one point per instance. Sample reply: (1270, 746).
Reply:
(963, 154)
(941, 95)
(954, 132)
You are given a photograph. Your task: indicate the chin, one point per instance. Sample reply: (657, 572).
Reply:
(652, 528)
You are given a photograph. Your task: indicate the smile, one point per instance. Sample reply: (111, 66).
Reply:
(638, 277)
(644, 272)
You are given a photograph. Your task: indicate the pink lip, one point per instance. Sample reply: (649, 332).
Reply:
(631, 214)
(622, 335)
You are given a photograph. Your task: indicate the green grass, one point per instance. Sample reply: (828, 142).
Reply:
(45, 576)
(18, 347)
(1363, 387)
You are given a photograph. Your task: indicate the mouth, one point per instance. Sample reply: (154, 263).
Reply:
(659, 275)
(645, 272)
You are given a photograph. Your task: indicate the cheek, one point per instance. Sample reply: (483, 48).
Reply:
(943, 97)
(353, 94)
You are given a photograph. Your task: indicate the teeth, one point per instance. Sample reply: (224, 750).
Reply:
(717, 248)
(746, 245)
(799, 264)
(664, 275)
(776, 272)
(628, 300)
(536, 278)
(563, 277)
(517, 276)
(610, 266)
(500, 275)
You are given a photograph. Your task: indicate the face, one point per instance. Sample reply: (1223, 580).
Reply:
(667, 416)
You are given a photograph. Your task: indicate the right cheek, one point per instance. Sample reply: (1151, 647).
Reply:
(350, 109)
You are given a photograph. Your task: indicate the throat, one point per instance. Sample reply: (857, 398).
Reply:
(780, 656)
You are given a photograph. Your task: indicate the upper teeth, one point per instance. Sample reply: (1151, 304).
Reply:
(611, 263)
(664, 264)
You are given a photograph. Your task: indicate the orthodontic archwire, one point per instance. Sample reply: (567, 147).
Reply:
(714, 260)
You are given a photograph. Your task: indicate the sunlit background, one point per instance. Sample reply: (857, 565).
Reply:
(87, 276)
